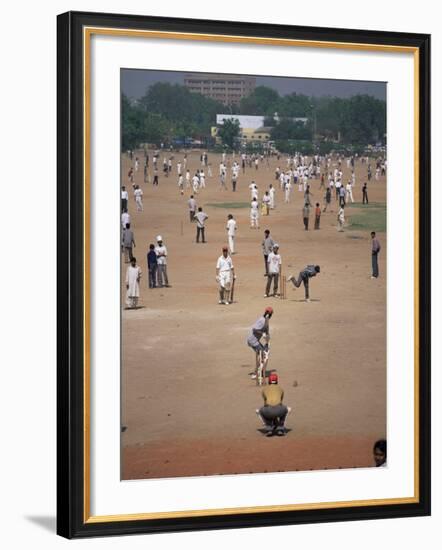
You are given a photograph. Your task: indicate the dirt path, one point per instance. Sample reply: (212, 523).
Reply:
(187, 401)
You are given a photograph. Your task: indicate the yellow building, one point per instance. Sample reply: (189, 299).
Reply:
(252, 129)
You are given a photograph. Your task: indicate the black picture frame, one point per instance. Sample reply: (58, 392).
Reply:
(71, 517)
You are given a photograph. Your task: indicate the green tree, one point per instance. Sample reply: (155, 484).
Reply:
(229, 132)
(262, 101)
(287, 129)
(131, 124)
(294, 105)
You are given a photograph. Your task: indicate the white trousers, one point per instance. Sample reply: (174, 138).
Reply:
(232, 243)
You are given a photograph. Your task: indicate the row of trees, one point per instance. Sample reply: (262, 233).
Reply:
(170, 111)
(167, 112)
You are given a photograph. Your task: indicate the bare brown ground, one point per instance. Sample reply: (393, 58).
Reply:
(187, 401)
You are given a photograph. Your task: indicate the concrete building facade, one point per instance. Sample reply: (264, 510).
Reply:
(227, 89)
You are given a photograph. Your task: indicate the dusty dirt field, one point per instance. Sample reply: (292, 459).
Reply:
(188, 404)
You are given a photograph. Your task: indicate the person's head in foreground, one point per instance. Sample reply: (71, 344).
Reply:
(373, 234)
(273, 378)
(151, 247)
(268, 312)
(317, 269)
(266, 233)
(160, 240)
(230, 216)
(276, 248)
(133, 262)
(225, 251)
(380, 452)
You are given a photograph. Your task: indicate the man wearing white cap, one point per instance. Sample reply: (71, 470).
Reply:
(225, 274)
(274, 262)
(161, 252)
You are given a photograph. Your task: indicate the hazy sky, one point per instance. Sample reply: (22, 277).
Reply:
(135, 81)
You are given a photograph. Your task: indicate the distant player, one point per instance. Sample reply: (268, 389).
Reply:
(231, 232)
(254, 214)
(138, 195)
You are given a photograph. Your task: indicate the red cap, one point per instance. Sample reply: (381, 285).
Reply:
(268, 309)
(273, 378)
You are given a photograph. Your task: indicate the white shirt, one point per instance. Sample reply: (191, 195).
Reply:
(125, 218)
(231, 228)
(161, 252)
(266, 198)
(138, 193)
(201, 217)
(274, 261)
(195, 181)
(124, 195)
(224, 264)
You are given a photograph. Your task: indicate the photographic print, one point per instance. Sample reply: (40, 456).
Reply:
(253, 274)
(243, 274)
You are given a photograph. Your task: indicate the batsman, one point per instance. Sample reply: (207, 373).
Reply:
(225, 277)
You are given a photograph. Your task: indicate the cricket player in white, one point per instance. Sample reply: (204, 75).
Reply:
(231, 231)
(181, 184)
(138, 194)
(349, 192)
(272, 197)
(195, 184)
(254, 215)
(253, 191)
(288, 189)
(225, 274)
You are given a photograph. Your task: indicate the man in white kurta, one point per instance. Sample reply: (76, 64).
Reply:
(224, 276)
(272, 197)
(133, 276)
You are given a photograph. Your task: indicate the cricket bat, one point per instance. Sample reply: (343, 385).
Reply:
(232, 290)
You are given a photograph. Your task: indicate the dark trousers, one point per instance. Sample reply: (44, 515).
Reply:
(233, 185)
(200, 231)
(123, 205)
(153, 276)
(266, 257)
(317, 220)
(302, 279)
(306, 224)
(364, 197)
(341, 201)
(155, 180)
(191, 215)
(374, 264)
(128, 254)
(275, 278)
(269, 413)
